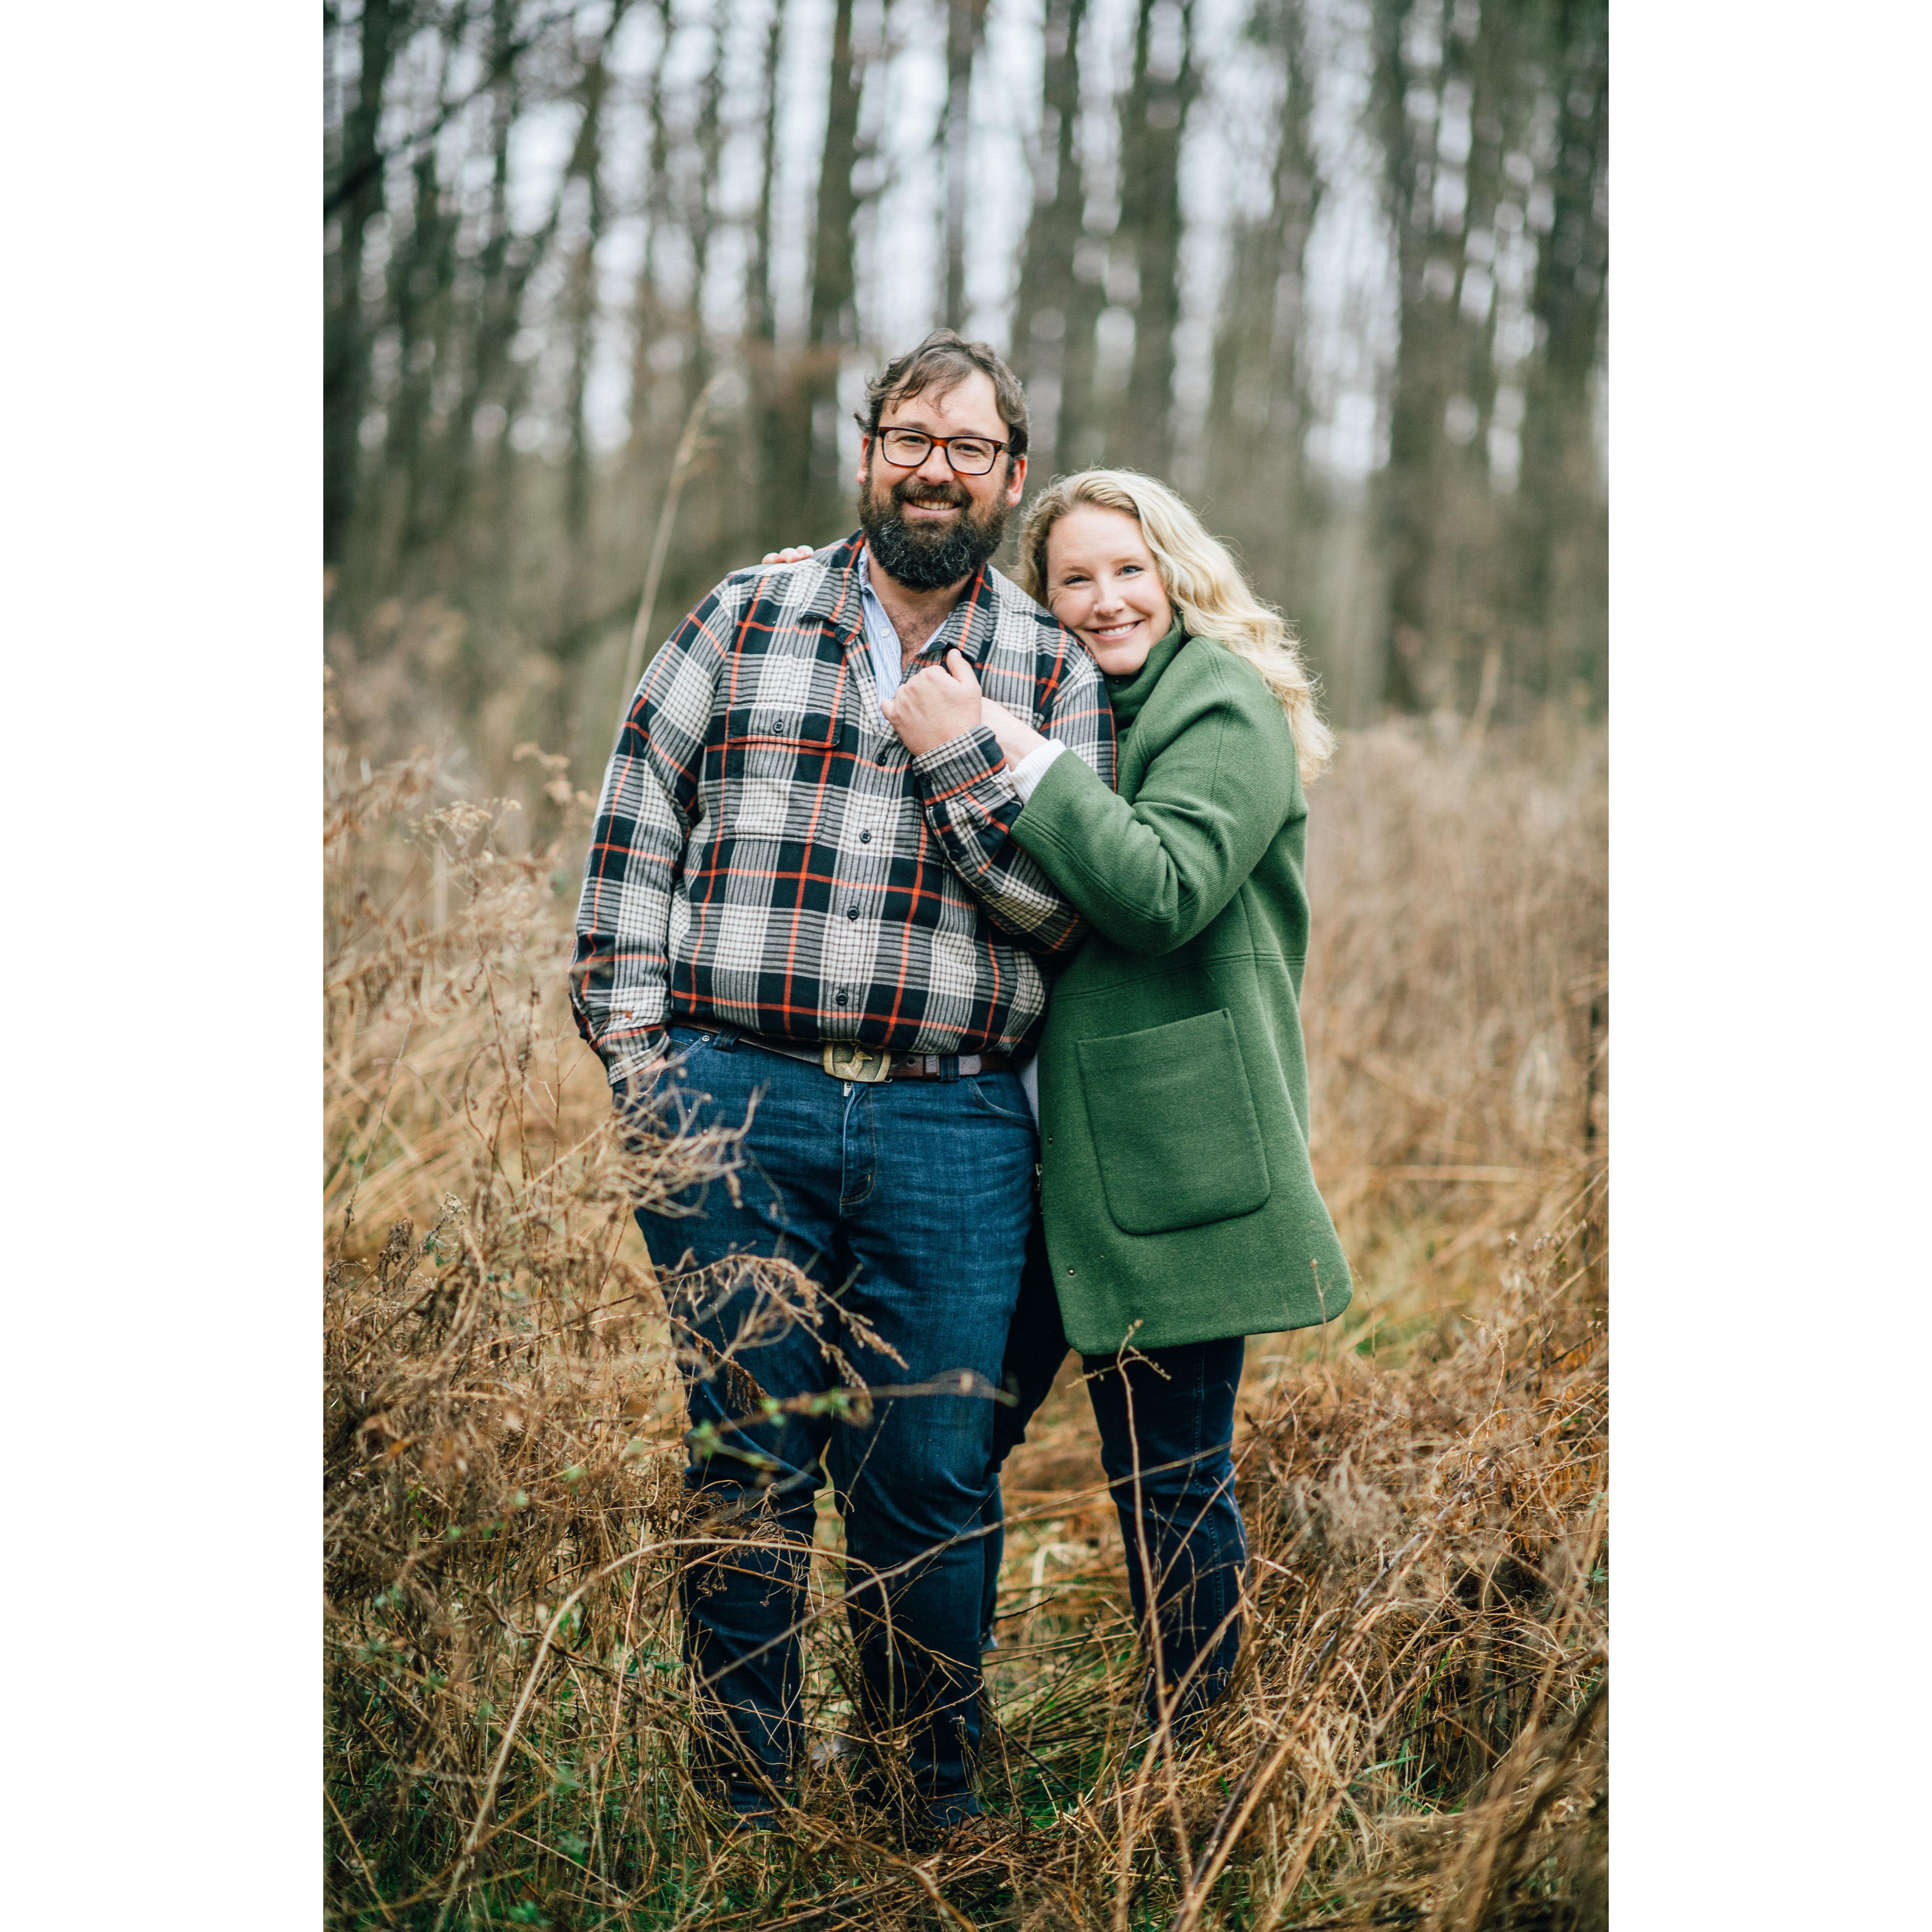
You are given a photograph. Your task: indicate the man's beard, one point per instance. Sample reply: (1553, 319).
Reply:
(923, 559)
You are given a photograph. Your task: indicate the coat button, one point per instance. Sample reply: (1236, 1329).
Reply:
(1069, 1267)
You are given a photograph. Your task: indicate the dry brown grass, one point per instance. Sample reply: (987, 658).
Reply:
(1457, 1003)
(1415, 1736)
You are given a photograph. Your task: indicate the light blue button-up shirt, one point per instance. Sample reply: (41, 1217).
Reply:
(883, 640)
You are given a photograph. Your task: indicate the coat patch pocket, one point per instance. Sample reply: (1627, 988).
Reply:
(1174, 1125)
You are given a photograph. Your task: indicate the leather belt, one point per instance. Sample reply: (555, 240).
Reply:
(847, 1060)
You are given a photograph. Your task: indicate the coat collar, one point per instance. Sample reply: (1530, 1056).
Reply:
(1128, 694)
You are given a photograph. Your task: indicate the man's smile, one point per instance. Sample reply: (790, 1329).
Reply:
(937, 504)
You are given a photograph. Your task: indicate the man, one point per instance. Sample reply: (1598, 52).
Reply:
(782, 904)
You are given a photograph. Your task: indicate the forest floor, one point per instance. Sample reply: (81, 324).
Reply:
(1416, 1734)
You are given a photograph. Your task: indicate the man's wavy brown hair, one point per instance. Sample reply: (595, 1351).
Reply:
(941, 362)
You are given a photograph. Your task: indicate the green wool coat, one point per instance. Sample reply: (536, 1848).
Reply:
(1174, 1091)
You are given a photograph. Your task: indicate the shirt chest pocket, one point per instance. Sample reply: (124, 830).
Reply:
(776, 764)
(784, 725)
(784, 696)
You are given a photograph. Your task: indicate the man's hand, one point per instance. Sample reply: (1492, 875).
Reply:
(795, 554)
(938, 703)
(635, 1063)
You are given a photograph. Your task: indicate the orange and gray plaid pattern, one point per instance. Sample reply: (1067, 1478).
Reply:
(766, 853)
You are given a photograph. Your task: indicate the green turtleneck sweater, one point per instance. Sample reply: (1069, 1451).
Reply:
(1179, 1202)
(1133, 688)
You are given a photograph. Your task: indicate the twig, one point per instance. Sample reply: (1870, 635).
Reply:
(1247, 1795)
(348, 1211)
(475, 1834)
(375, 1890)
(687, 449)
(1586, 1722)
(952, 1916)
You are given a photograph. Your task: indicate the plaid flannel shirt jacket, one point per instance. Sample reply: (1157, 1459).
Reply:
(767, 854)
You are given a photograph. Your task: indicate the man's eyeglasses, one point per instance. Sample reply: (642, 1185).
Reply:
(969, 455)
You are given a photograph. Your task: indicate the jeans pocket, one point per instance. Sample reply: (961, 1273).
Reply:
(1002, 1095)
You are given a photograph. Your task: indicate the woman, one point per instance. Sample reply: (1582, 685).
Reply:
(1180, 1214)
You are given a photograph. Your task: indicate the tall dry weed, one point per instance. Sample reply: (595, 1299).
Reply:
(1415, 1735)
(1457, 1001)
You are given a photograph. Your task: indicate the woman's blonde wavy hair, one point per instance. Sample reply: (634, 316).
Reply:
(1203, 583)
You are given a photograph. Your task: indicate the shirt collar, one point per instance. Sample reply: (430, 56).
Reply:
(839, 599)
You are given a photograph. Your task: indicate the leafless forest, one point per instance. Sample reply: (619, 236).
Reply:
(1337, 268)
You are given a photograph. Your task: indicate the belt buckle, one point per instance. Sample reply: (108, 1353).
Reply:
(844, 1060)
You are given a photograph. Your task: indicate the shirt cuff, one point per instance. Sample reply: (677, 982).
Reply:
(964, 763)
(629, 1057)
(1032, 768)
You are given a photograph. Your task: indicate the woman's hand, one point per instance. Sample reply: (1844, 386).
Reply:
(938, 703)
(1017, 737)
(794, 553)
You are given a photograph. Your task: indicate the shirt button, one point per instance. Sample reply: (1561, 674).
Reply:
(865, 839)
(838, 999)
(851, 912)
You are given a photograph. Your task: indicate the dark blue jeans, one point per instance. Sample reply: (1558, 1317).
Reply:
(1167, 1426)
(907, 1205)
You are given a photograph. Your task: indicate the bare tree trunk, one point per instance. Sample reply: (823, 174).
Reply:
(761, 296)
(421, 282)
(650, 320)
(491, 322)
(1152, 126)
(965, 31)
(1415, 410)
(419, 286)
(1456, 581)
(1256, 412)
(778, 451)
(833, 322)
(586, 165)
(345, 350)
(1567, 531)
(701, 219)
(580, 318)
(1052, 308)
(1413, 489)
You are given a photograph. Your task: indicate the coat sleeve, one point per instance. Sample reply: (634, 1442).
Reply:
(1152, 874)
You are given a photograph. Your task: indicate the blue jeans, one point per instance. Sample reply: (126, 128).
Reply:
(1167, 1427)
(907, 1203)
